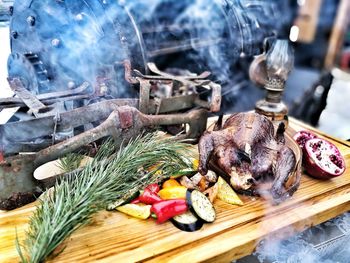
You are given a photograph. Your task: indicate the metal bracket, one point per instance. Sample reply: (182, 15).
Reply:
(28, 98)
(49, 98)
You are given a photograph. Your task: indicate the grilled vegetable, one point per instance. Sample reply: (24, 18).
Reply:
(197, 181)
(154, 188)
(203, 184)
(135, 201)
(175, 192)
(185, 181)
(136, 210)
(196, 178)
(212, 192)
(186, 171)
(170, 183)
(148, 197)
(195, 164)
(155, 168)
(167, 209)
(211, 176)
(226, 193)
(200, 205)
(122, 201)
(187, 222)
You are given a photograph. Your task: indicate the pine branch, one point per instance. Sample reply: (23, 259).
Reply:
(70, 162)
(112, 175)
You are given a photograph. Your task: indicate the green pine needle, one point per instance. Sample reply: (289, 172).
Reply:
(112, 175)
(70, 162)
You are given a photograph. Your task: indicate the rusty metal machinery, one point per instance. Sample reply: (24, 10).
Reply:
(160, 93)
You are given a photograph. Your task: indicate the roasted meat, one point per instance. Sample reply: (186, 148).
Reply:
(248, 150)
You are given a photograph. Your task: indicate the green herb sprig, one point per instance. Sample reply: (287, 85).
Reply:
(70, 162)
(110, 176)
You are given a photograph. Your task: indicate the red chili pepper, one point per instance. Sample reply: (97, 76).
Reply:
(148, 197)
(167, 209)
(154, 188)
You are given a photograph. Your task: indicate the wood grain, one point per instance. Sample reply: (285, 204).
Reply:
(115, 237)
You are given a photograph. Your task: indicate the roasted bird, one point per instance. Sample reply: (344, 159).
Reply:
(255, 158)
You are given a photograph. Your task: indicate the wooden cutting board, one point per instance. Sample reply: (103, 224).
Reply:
(115, 237)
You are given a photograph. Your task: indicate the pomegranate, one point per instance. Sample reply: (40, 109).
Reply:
(301, 137)
(322, 159)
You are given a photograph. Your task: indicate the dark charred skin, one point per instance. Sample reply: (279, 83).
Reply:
(206, 147)
(263, 159)
(284, 185)
(247, 150)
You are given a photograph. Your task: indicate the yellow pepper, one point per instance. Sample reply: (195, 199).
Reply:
(175, 192)
(155, 168)
(195, 164)
(136, 210)
(170, 183)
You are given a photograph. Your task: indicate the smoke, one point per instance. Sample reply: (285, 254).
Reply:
(327, 243)
(216, 35)
(219, 32)
(84, 40)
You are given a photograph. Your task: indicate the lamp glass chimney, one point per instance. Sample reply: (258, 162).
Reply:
(279, 60)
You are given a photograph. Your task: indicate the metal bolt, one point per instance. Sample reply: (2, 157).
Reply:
(31, 20)
(103, 88)
(55, 42)
(79, 17)
(11, 10)
(71, 84)
(14, 34)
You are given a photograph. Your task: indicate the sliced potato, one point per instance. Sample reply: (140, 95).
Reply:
(226, 193)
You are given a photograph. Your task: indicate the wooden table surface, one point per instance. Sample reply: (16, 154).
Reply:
(115, 237)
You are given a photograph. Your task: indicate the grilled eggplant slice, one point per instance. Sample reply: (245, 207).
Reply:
(187, 222)
(201, 206)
